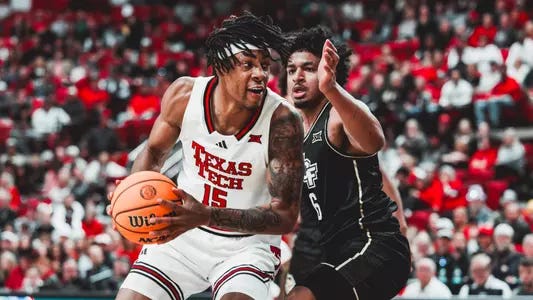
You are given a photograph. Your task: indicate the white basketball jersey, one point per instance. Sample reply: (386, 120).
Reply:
(224, 170)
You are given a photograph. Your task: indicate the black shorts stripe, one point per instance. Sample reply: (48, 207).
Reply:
(164, 275)
(147, 275)
(160, 276)
(241, 270)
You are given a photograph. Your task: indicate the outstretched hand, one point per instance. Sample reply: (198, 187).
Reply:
(327, 67)
(187, 215)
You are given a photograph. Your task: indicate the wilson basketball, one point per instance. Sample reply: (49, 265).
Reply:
(134, 202)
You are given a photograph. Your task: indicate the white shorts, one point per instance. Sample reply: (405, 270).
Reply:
(197, 260)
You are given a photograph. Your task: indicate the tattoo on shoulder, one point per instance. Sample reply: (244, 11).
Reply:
(250, 220)
(286, 157)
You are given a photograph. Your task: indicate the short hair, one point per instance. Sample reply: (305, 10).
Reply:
(526, 262)
(312, 40)
(428, 262)
(528, 238)
(240, 31)
(481, 258)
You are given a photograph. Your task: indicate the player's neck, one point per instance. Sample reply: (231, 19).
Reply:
(311, 113)
(228, 116)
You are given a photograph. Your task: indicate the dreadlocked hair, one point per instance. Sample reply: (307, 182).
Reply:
(312, 40)
(239, 31)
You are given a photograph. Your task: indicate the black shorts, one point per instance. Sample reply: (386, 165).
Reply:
(306, 254)
(372, 268)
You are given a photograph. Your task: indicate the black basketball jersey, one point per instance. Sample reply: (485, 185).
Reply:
(342, 194)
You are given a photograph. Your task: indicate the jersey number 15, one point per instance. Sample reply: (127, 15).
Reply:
(214, 197)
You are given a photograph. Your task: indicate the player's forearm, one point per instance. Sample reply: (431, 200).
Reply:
(258, 220)
(148, 160)
(359, 123)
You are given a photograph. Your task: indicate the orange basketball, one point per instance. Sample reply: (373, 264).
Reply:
(134, 202)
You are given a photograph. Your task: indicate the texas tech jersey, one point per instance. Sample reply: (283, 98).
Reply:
(224, 170)
(342, 194)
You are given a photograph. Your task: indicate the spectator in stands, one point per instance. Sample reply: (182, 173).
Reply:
(459, 155)
(76, 111)
(505, 34)
(505, 259)
(100, 276)
(422, 246)
(519, 71)
(483, 283)
(414, 140)
(14, 281)
(478, 211)
(486, 30)
(68, 217)
(512, 216)
(511, 155)
(506, 93)
(528, 213)
(102, 138)
(482, 162)
(8, 261)
(426, 286)
(527, 246)
(32, 281)
(456, 94)
(407, 27)
(49, 119)
(451, 187)
(7, 214)
(448, 269)
(526, 278)
(522, 48)
(99, 170)
(69, 280)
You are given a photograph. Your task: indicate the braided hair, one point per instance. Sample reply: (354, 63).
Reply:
(239, 31)
(312, 40)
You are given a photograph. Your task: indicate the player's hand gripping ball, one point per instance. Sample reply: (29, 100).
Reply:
(134, 205)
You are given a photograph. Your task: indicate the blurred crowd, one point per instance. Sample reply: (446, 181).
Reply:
(450, 81)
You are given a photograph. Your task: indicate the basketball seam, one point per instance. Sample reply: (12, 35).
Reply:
(113, 202)
(116, 223)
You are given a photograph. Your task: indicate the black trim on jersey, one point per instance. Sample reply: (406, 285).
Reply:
(337, 150)
(207, 107)
(225, 235)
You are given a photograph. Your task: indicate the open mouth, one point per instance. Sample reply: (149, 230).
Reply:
(257, 90)
(299, 91)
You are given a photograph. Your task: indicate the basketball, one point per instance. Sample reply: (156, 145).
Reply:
(134, 202)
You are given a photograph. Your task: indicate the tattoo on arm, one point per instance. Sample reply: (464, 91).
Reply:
(249, 220)
(285, 173)
(286, 165)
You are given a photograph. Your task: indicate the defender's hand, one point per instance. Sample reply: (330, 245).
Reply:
(327, 67)
(189, 214)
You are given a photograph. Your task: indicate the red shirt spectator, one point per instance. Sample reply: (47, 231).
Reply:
(487, 29)
(141, 104)
(507, 86)
(91, 95)
(482, 162)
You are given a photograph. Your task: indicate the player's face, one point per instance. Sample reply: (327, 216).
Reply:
(247, 81)
(302, 80)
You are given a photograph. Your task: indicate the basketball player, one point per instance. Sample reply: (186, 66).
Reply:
(346, 218)
(242, 173)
